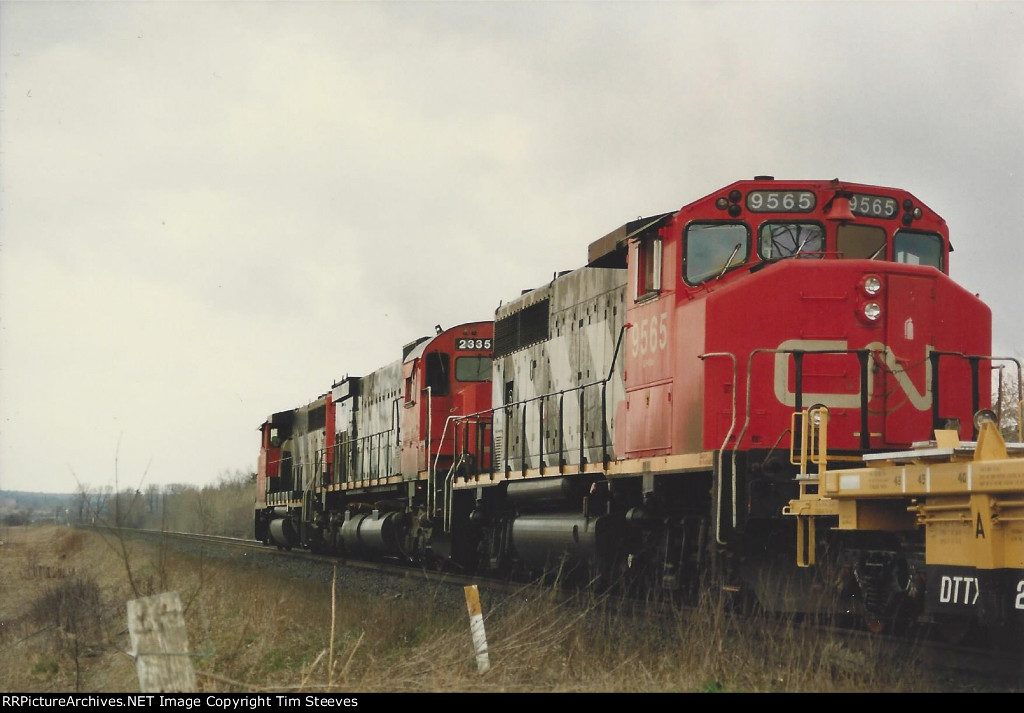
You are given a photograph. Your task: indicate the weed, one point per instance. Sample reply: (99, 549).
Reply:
(45, 667)
(261, 632)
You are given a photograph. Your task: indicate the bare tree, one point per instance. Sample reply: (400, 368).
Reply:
(81, 503)
(1007, 400)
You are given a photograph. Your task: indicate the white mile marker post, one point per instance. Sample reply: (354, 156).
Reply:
(476, 628)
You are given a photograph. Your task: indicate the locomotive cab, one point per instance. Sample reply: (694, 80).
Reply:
(444, 377)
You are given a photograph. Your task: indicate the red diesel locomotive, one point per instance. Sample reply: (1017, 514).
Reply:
(643, 420)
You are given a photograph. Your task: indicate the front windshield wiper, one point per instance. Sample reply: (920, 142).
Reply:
(777, 258)
(801, 246)
(729, 261)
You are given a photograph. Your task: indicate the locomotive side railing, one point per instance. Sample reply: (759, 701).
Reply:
(809, 442)
(295, 475)
(473, 439)
(365, 457)
(863, 359)
(477, 443)
(534, 413)
(974, 362)
(1016, 393)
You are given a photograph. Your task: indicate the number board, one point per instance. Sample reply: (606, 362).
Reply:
(874, 206)
(474, 344)
(780, 201)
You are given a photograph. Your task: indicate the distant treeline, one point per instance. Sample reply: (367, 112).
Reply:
(225, 508)
(18, 508)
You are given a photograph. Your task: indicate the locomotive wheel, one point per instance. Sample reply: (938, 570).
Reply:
(853, 614)
(877, 588)
(873, 623)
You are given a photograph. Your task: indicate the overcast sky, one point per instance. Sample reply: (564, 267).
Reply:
(210, 211)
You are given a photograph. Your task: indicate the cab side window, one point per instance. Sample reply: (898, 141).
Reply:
(648, 274)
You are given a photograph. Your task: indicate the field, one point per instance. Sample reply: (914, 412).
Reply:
(63, 628)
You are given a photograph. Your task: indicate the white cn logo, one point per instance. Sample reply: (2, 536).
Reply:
(959, 590)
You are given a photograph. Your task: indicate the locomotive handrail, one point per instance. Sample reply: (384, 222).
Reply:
(430, 423)
(615, 354)
(813, 449)
(432, 470)
(813, 442)
(523, 403)
(310, 484)
(725, 442)
(521, 407)
(446, 508)
(1020, 393)
(460, 460)
(298, 471)
(974, 360)
(862, 355)
(347, 467)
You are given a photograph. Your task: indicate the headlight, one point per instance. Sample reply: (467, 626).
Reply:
(872, 311)
(816, 412)
(872, 285)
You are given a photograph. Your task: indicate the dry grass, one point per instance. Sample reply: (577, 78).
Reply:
(63, 596)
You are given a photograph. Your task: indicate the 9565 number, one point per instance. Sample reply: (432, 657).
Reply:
(649, 335)
(780, 201)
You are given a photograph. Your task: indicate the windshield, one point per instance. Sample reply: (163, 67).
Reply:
(917, 248)
(861, 242)
(779, 240)
(473, 368)
(711, 249)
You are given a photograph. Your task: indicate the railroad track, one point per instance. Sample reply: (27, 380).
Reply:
(391, 576)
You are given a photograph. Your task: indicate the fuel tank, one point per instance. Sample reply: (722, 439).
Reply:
(543, 540)
(375, 533)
